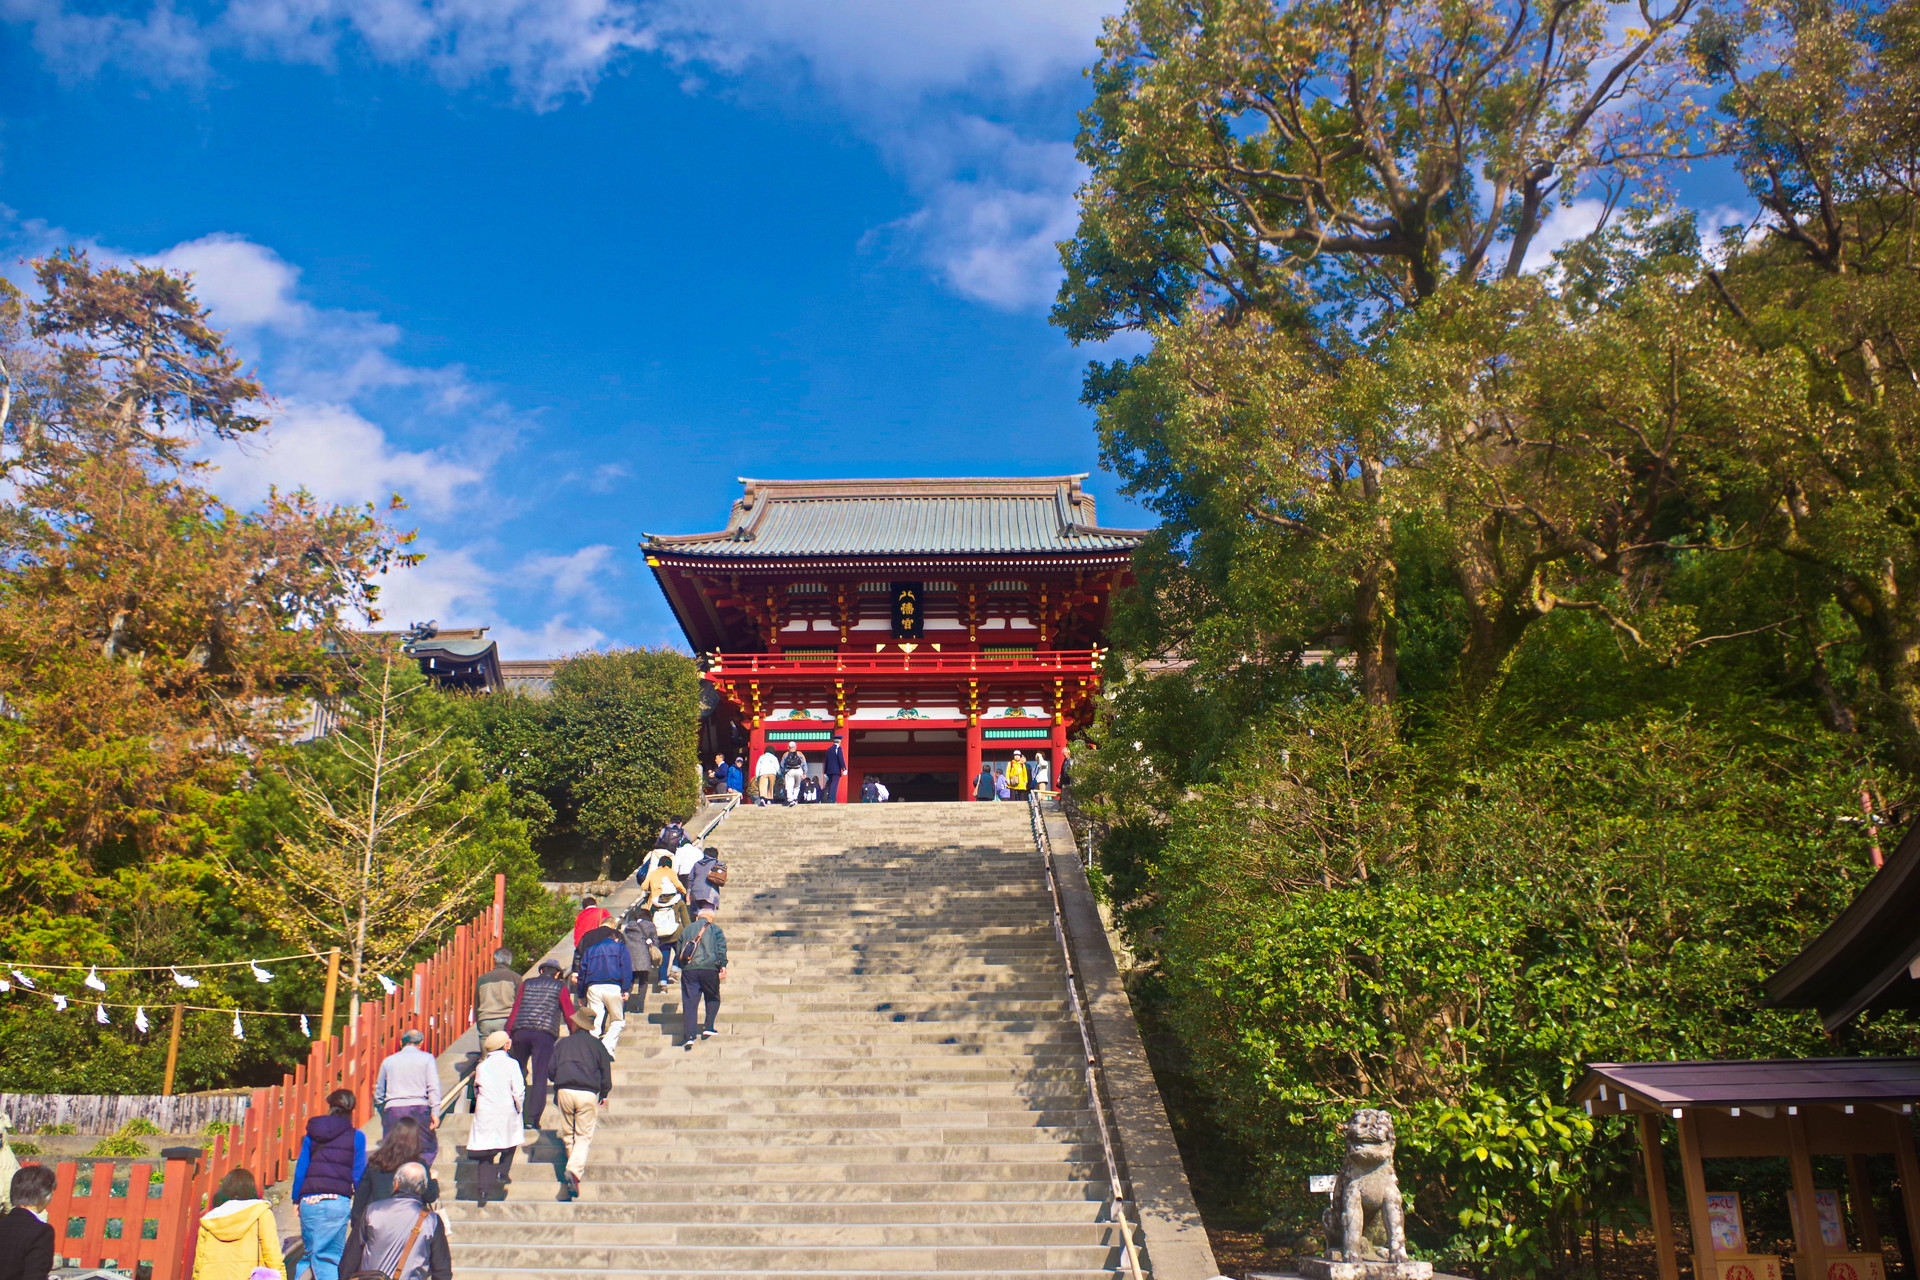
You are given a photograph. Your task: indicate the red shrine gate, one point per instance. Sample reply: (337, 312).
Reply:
(931, 624)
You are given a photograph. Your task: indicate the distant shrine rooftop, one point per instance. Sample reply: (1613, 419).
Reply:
(993, 516)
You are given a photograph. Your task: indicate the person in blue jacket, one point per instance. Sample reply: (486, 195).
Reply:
(333, 1158)
(737, 776)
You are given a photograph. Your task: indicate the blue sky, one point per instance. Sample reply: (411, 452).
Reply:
(560, 270)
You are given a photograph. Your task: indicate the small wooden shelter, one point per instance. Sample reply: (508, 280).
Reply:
(1791, 1108)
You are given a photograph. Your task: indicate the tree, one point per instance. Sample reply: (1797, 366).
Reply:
(1321, 172)
(152, 639)
(377, 849)
(628, 727)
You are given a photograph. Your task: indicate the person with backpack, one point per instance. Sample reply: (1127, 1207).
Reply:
(663, 900)
(605, 967)
(333, 1158)
(671, 837)
(542, 1009)
(793, 767)
(809, 790)
(709, 876)
(870, 790)
(703, 967)
(400, 1237)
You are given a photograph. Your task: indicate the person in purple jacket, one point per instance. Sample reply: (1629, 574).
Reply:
(333, 1157)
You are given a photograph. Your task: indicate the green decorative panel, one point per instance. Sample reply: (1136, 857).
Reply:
(1003, 735)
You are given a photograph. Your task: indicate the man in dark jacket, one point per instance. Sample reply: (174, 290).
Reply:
(379, 1241)
(835, 766)
(493, 994)
(582, 1079)
(605, 967)
(703, 965)
(26, 1238)
(544, 1006)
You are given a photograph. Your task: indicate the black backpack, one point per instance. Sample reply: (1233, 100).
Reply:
(672, 836)
(870, 792)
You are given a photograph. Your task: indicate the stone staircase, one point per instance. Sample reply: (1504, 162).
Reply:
(896, 1090)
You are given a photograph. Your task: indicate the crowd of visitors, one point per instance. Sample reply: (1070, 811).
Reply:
(786, 778)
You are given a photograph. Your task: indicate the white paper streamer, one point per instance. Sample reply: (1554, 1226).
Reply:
(386, 983)
(93, 979)
(304, 1029)
(23, 979)
(5, 985)
(140, 1020)
(100, 1014)
(183, 979)
(239, 1032)
(60, 1002)
(259, 974)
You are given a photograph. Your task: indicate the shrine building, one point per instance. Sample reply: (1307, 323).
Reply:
(931, 624)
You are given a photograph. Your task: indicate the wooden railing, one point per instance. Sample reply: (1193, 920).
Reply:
(115, 1218)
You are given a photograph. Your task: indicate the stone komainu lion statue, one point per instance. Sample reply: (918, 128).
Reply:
(1366, 1222)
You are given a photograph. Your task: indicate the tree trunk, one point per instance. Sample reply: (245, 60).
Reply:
(1375, 634)
(1888, 616)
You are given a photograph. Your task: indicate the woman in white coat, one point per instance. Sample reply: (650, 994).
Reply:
(500, 1092)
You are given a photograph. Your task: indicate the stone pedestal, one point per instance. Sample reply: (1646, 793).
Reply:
(1328, 1269)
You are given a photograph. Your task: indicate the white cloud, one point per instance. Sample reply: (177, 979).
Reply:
(558, 638)
(450, 586)
(996, 205)
(339, 456)
(1563, 225)
(574, 577)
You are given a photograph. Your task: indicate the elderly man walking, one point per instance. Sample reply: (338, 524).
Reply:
(543, 1008)
(582, 1078)
(793, 767)
(765, 770)
(494, 993)
(703, 966)
(399, 1236)
(408, 1088)
(606, 976)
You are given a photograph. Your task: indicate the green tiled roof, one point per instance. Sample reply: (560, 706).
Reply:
(914, 517)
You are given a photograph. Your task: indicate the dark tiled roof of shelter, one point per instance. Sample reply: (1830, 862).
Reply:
(1759, 1082)
(439, 646)
(906, 517)
(1868, 958)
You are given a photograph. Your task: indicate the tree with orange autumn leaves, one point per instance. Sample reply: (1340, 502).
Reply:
(153, 640)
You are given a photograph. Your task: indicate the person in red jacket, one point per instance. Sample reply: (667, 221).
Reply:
(592, 916)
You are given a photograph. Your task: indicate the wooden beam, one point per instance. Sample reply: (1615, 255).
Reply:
(1860, 1195)
(1662, 1212)
(1909, 1166)
(1694, 1175)
(1806, 1223)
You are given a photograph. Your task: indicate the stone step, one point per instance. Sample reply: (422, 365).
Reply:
(524, 1205)
(480, 1232)
(554, 1259)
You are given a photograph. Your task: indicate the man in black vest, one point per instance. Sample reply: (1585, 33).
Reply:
(835, 766)
(542, 1008)
(26, 1239)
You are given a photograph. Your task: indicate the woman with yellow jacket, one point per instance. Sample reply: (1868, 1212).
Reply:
(237, 1234)
(1017, 776)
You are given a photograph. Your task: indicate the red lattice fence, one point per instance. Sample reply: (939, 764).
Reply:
(148, 1228)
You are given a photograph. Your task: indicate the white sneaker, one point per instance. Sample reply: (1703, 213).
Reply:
(707, 1035)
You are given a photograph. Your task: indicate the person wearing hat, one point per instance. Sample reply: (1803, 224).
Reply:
(500, 1091)
(836, 764)
(582, 1079)
(408, 1087)
(543, 1007)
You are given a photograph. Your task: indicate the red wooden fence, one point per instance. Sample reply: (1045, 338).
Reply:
(107, 1224)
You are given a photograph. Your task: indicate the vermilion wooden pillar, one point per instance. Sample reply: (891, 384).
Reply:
(1057, 748)
(973, 758)
(756, 744)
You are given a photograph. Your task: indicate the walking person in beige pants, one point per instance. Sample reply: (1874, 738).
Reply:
(582, 1075)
